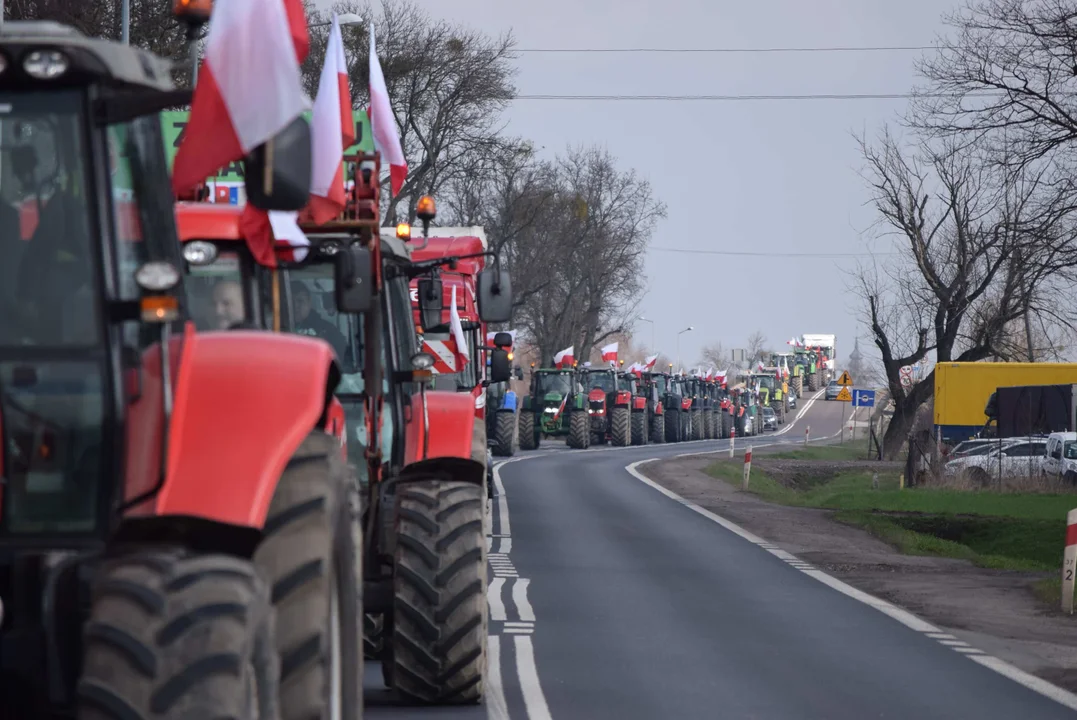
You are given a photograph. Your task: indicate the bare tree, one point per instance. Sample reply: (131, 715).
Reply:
(757, 347)
(975, 257)
(448, 85)
(716, 354)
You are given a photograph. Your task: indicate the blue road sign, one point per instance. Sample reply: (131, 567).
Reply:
(863, 398)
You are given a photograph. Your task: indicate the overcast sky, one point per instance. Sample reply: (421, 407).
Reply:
(773, 176)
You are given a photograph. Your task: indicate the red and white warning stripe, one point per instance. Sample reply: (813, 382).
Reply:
(444, 352)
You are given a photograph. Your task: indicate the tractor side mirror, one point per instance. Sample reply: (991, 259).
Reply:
(503, 340)
(352, 273)
(430, 303)
(500, 366)
(277, 173)
(495, 296)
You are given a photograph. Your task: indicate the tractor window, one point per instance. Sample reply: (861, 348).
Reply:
(216, 295)
(659, 383)
(560, 383)
(601, 381)
(48, 294)
(314, 312)
(131, 251)
(54, 416)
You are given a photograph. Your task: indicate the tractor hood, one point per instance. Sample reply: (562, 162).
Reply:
(553, 398)
(596, 395)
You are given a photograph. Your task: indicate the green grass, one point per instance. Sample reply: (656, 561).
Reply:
(995, 530)
(823, 452)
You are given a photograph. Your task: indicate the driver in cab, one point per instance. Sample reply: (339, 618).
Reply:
(308, 322)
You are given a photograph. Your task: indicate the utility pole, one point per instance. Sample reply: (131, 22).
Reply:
(125, 22)
(1018, 258)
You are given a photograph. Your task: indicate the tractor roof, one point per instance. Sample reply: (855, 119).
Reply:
(91, 59)
(444, 241)
(220, 222)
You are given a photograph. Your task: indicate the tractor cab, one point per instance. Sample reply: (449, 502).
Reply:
(554, 407)
(608, 406)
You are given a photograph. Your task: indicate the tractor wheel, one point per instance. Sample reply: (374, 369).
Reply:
(528, 439)
(727, 425)
(310, 555)
(709, 427)
(504, 434)
(639, 428)
(579, 430)
(172, 633)
(797, 384)
(438, 643)
(697, 425)
(658, 429)
(620, 426)
(373, 636)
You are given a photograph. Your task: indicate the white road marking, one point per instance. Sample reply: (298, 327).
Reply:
(942, 636)
(506, 544)
(519, 631)
(493, 599)
(906, 618)
(519, 599)
(494, 694)
(518, 623)
(534, 699)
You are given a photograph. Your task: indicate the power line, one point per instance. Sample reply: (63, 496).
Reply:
(773, 254)
(757, 98)
(660, 50)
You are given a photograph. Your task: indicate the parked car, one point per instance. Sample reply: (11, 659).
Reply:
(1060, 456)
(969, 447)
(832, 390)
(770, 418)
(1012, 457)
(792, 399)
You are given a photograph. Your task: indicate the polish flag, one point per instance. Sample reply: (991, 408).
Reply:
(565, 357)
(609, 353)
(457, 334)
(249, 87)
(648, 362)
(762, 367)
(272, 234)
(332, 130)
(792, 341)
(383, 123)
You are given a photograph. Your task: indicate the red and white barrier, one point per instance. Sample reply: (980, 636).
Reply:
(807, 431)
(732, 437)
(1069, 562)
(747, 465)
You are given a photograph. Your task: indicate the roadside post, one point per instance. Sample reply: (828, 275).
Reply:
(732, 437)
(807, 431)
(845, 396)
(747, 466)
(1069, 558)
(863, 399)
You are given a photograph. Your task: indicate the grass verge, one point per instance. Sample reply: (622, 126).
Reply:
(994, 530)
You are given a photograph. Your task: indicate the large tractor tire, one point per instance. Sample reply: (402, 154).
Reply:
(711, 424)
(373, 636)
(797, 384)
(658, 429)
(579, 430)
(528, 439)
(171, 634)
(727, 425)
(813, 384)
(437, 651)
(697, 425)
(639, 428)
(620, 426)
(504, 434)
(672, 426)
(310, 555)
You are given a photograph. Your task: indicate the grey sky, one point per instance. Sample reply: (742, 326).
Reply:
(777, 176)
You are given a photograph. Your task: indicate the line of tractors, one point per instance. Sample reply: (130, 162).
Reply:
(202, 511)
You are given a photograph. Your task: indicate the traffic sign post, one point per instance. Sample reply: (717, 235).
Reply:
(846, 380)
(863, 398)
(844, 396)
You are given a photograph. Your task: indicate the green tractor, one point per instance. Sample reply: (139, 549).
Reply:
(805, 371)
(770, 390)
(555, 407)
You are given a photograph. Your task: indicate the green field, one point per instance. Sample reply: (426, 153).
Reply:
(998, 530)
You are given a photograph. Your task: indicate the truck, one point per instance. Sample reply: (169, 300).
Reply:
(962, 390)
(827, 349)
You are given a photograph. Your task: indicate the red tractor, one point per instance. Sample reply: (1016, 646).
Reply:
(414, 449)
(176, 527)
(641, 412)
(609, 405)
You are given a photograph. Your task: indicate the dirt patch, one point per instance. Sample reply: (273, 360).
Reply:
(993, 610)
(805, 474)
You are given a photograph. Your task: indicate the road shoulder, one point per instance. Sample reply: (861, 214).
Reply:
(994, 610)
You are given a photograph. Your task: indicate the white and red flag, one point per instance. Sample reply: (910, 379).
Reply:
(609, 353)
(649, 361)
(332, 130)
(383, 123)
(459, 340)
(564, 358)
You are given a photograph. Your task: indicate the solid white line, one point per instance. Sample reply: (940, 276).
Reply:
(534, 699)
(906, 618)
(519, 598)
(494, 694)
(506, 543)
(493, 598)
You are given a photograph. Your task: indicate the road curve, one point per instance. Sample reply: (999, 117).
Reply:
(611, 600)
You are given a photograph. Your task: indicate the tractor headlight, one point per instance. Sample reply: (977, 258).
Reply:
(157, 276)
(550, 410)
(199, 252)
(45, 64)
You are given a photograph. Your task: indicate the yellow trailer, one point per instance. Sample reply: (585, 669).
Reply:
(962, 390)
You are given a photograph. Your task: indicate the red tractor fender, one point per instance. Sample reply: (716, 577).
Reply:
(686, 403)
(658, 409)
(244, 402)
(335, 425)
(623, 397)
(639, 403)
(452, 419)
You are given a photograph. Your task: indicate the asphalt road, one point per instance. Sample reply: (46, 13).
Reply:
(609, 599)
